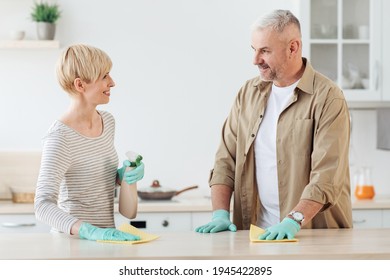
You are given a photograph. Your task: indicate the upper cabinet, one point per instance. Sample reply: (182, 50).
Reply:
(342, 39)
(385, 48)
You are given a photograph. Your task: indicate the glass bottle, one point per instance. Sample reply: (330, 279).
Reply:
(364, 188)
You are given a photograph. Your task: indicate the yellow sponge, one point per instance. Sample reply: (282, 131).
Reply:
(145, 237)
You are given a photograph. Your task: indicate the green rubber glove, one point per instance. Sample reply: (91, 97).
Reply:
(90, 232)
(220, 222)
(285, 229)
(131, 176)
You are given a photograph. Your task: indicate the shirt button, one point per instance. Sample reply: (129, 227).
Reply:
(261, 116)
(253, 135)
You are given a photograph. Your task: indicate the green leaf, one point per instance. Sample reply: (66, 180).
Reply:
(44, 12)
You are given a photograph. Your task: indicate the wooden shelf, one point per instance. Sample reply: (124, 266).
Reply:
(30, 44)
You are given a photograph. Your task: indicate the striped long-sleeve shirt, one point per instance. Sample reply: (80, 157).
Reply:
(77, 177)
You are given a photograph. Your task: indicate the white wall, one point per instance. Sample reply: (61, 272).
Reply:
(178, 65)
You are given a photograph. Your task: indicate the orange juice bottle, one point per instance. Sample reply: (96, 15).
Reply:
(364, 188)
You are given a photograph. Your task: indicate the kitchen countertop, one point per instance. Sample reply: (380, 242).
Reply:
(186, 204)
(378, 202)
(195, 204)
(351, 244)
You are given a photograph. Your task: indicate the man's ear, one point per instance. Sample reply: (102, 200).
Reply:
(294, 46)
(78, 85)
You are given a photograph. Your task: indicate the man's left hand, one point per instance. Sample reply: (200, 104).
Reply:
(285, 229)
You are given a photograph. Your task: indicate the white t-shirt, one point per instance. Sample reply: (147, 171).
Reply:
(265, 155)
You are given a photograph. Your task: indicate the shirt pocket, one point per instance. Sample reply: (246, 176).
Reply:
(303, 137)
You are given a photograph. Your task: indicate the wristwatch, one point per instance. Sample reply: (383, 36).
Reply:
(297, 216)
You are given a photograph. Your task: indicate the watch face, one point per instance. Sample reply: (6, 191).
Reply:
(298, 216)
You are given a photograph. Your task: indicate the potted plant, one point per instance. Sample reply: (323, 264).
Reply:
(46, 16)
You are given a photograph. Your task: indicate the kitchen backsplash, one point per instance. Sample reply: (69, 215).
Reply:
(18, 169)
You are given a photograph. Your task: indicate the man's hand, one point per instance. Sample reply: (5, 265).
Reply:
(220, 222)
(285, 229)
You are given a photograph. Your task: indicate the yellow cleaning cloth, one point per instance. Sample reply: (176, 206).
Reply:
(255, 231)
(145, 237)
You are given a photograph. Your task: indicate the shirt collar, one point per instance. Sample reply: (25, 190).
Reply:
(305, 84)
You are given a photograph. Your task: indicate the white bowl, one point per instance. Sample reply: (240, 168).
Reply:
(17, 34)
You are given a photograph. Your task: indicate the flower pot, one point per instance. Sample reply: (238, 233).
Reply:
(46, 30)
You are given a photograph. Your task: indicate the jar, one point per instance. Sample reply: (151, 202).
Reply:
(364, 188)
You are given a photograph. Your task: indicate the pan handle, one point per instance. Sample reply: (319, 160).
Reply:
(186, 189)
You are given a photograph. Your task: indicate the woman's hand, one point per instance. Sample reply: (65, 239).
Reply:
(131, 176)
(90, 232)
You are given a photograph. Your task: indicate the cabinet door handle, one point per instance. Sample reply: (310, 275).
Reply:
(359, 221)
(165, 223)
(11, 225)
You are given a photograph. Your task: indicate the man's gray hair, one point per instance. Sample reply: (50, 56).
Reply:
(277, 20)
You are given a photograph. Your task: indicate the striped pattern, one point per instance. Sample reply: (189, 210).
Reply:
(77, 177)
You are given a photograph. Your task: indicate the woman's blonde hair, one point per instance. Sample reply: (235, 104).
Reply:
(81, 61)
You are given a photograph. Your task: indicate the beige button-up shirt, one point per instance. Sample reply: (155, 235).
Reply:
(312, 151)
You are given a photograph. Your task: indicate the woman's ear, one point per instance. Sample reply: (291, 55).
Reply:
(78, 85)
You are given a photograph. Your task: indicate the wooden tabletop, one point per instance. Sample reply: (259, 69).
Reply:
(317, 244)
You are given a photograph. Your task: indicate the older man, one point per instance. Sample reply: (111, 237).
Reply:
(285, 144)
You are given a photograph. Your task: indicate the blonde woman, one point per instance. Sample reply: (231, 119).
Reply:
(78, 173)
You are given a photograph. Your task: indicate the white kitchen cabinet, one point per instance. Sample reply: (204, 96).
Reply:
(200, 218)
(367, 218)
(386, 218)
(342, 39)
(167, 221)
(21, 223)
(385, 48)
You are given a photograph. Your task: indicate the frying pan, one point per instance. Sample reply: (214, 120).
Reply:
(157, 192)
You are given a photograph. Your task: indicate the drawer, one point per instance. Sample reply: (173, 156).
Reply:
(21, 223)
(168, 221)
(200, 219)
(386, 218)
(367, 218)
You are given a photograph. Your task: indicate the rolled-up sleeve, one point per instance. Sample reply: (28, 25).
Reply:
(330, 154)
